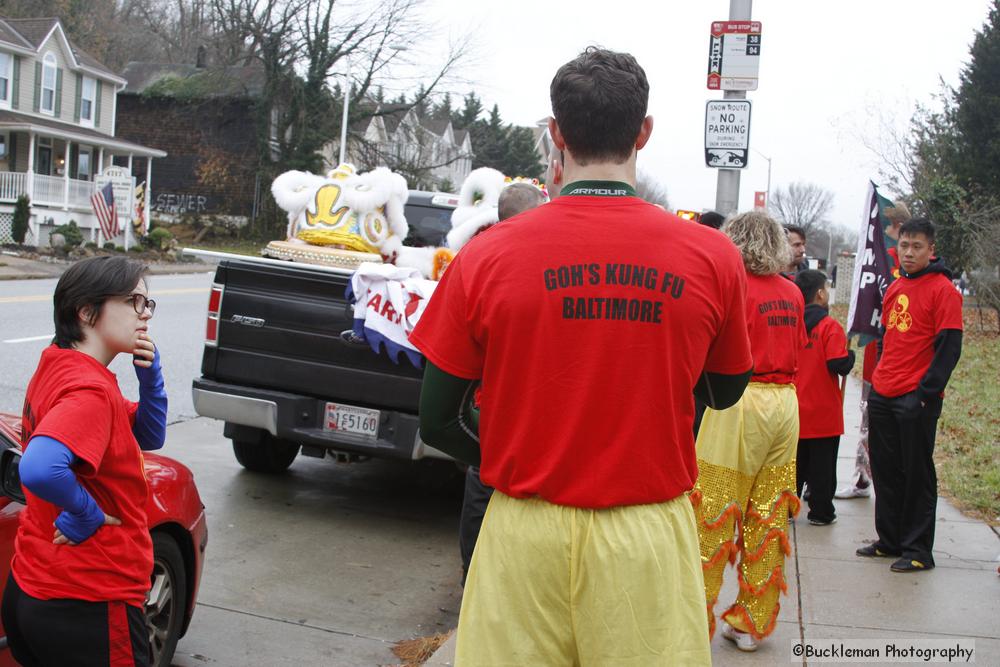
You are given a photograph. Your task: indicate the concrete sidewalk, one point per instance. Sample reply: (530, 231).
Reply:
(834, 595)
(15, 267)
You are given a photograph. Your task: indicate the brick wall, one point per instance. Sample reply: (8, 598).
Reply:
(211, 152)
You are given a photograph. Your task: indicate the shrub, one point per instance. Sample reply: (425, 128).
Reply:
(109, 245)
(158, 239)
(22, 213)
(71, 233)
(91, 245)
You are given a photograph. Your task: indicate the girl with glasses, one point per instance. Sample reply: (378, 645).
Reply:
(83, 554)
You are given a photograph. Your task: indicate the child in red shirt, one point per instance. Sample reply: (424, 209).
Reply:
(821, 414)
(83, 554)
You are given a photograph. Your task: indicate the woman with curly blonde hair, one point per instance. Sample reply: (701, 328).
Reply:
(746, 453)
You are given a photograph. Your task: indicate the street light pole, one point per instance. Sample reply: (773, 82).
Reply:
(343, 121)
(727, 188)
(768, 175)
(347, 100)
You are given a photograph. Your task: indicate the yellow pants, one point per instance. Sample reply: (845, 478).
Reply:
(745, 490)
(562, 586)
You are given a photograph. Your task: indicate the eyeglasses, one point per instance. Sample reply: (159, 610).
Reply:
(140, 302)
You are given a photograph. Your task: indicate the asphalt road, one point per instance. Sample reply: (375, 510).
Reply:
(177, 328)
(327, 564)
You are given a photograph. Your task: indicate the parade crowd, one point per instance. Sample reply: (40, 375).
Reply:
(641, 401)
(617, 464)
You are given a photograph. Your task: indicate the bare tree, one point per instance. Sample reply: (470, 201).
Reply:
(651, 190)
(804, 205)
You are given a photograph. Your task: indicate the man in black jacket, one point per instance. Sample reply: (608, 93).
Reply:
(922, 343)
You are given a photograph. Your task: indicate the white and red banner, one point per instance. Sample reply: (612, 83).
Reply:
(388, 303)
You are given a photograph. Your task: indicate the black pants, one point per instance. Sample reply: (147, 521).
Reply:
(73, 633)
(477, 497)
(816, 465)
(901, 445)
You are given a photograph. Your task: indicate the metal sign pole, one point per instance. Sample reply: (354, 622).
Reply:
(727, 189)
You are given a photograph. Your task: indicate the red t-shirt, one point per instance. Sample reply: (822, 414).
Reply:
(916, 310)
(821, 413)
(75, 400)
(777, 331)
(589, 320)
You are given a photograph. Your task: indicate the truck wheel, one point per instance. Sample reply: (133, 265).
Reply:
(270, 455)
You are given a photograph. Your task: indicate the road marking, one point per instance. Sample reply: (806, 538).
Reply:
(29, 340)
(48, 297)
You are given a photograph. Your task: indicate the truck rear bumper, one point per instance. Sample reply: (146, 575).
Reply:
(299, 419)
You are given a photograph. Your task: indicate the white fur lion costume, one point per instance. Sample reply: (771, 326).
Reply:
(347, 218)
(344, 210)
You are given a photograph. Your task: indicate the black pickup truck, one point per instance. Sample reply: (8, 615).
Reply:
(278, 372)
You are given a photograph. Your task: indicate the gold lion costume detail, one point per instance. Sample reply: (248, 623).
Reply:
(744, 493)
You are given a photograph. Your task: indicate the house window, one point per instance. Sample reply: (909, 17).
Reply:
(49, 84)
(6, 64)
(87, 95)
(3, 146)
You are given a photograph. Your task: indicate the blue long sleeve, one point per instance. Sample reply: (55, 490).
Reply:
(45, 471)
(150, 428)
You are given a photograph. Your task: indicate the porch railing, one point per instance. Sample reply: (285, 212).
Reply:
(12, 185)
(48, 190)
(80, 192)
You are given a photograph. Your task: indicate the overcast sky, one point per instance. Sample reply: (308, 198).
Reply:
(827, 71)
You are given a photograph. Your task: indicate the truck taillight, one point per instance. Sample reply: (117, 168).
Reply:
(214, 307)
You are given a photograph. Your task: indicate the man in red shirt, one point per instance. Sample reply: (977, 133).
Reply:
(921, 345)
(591, 320)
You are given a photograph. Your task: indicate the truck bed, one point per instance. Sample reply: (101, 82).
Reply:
(279, 329)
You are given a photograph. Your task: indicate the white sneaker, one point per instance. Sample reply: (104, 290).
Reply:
(744, 640)
(848, 492)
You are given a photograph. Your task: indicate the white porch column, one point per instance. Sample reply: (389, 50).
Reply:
(30, 175)
(30, 187)
(149, 192)
(66, 175)
(100, 159)
(129, 164)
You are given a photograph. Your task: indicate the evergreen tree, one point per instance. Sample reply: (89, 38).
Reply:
(977, 112)
(489, 141)
(421, 105)
(520, 157)
(22, 214)
(472, 109)
(443, 110)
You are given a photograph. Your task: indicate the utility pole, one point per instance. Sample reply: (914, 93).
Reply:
(727, 189)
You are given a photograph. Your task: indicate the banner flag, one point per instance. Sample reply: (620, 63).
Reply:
(872, 269)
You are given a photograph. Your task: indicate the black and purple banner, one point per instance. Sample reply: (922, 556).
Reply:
(872, 271)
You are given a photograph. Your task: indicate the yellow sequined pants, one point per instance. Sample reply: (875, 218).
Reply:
(562, 586)
(745, 490)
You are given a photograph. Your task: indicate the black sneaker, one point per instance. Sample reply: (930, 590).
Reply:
(910, 565)
(871, 551)
(822, 522)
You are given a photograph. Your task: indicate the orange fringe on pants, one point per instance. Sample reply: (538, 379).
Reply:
(743, 516)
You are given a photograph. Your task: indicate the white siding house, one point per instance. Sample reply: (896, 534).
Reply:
(57, 128)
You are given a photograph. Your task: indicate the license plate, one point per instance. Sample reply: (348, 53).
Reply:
(342, 418)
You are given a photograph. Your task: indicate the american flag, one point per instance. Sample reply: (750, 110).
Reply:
(103, 202)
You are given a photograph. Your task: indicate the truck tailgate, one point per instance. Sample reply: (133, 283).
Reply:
(279, 328)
